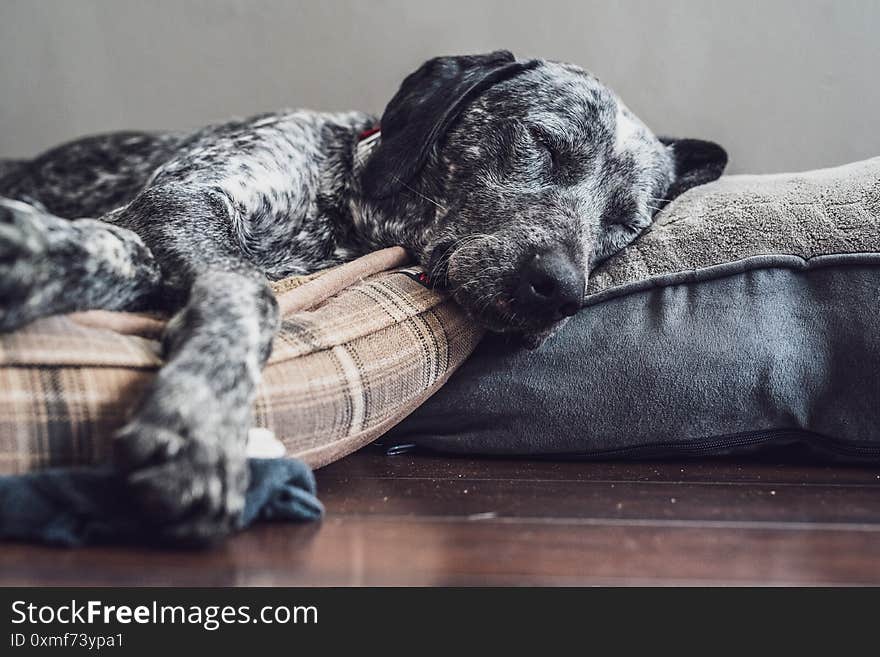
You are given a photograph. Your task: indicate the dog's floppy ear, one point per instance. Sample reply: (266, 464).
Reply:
(696, 163)
(423, 109)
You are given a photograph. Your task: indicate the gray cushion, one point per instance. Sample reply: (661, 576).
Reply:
(748, 314)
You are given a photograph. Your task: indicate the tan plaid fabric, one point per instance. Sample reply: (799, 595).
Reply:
(360, 347)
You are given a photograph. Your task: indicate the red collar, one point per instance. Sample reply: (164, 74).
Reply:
(369, 132)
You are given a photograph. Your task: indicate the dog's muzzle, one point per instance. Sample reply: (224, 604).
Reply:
(550, 287)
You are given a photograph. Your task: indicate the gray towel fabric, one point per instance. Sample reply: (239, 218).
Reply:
(742, 222)
(746, 315)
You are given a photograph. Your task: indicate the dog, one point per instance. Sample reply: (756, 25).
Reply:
(508, 180)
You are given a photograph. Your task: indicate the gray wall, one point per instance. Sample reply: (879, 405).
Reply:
(784, 84)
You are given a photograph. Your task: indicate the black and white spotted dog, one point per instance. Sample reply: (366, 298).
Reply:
(508, 180)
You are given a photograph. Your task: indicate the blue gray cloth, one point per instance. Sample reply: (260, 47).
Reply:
(759, 358)
(87, 505)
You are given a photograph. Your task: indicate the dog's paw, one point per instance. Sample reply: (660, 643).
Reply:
(24, 267)
(22, 237)
(191, 488)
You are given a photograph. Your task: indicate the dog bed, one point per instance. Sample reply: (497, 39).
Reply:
(360, 346)
(747, 315)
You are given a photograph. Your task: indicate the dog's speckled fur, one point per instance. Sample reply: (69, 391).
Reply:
(547, 159)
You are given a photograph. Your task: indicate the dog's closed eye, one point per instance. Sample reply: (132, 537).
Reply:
(549, 147)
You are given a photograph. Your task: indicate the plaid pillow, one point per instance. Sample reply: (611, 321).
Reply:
(360, 347)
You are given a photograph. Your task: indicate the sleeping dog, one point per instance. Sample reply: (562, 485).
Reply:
(508, 180)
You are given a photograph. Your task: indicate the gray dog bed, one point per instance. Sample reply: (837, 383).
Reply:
(747, 315)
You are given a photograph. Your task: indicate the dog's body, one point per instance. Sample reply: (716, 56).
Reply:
(509, 198)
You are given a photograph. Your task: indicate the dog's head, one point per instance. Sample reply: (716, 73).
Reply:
(538, 172)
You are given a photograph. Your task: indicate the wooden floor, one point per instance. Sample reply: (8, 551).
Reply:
(420, 519)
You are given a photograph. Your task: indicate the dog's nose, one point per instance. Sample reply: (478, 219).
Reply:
(550, 286)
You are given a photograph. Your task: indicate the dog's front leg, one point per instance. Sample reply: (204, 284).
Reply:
(184, 449)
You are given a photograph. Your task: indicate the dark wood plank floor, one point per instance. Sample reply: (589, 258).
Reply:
(420, 519)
